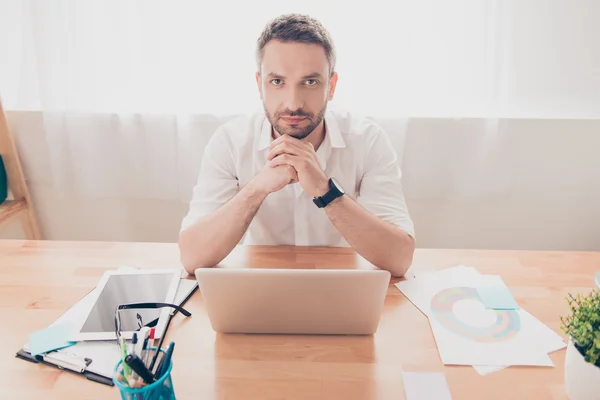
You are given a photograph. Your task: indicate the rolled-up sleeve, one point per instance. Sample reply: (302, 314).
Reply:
(217, 180)
(380, 190)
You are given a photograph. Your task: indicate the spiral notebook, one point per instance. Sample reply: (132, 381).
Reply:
(96, 360)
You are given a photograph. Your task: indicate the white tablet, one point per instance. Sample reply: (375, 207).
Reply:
(125, 287)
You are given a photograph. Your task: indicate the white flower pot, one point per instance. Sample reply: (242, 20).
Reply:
(582, 379)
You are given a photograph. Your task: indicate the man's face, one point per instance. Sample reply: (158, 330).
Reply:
(295, 86)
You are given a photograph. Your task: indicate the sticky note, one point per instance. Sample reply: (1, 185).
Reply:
(497, 298)
(52, 338)
(425, 386)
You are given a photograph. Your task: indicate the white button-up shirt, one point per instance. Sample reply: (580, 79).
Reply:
(357, 152)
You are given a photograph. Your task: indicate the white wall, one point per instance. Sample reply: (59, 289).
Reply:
(469, 183)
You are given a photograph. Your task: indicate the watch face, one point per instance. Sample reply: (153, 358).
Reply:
(337, 185)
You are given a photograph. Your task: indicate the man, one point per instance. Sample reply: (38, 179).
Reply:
(297, 174)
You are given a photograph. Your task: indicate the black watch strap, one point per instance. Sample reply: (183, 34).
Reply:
(328, 197)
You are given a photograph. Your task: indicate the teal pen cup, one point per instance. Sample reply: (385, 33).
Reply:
(162, 389)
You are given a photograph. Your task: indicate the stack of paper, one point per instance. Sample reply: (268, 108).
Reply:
(475, 321)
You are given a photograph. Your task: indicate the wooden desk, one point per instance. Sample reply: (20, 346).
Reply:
(40, 280)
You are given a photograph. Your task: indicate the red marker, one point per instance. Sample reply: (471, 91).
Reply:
(150, 348)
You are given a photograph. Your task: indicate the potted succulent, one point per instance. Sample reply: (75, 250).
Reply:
(582, 361)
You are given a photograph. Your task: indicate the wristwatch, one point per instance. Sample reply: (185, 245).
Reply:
(335, 191)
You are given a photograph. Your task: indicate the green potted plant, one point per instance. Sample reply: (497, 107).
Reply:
(582, 361)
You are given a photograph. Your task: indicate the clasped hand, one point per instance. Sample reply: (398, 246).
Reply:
(291, 160)
(289, 151)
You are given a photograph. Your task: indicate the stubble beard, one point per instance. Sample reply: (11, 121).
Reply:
(297, 132)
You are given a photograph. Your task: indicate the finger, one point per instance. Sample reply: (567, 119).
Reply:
(310, 150)
(283, 159)
(287, 159)
(313, 153)
(286, 148)
(293, 174)
(281, 140)
(291, 140)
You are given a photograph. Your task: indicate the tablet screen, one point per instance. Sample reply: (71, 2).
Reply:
(124, 289)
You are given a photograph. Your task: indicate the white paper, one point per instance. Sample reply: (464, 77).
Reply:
(105, 356)
(413, 288)
(488, 369)
(468, 334)
(425, 386)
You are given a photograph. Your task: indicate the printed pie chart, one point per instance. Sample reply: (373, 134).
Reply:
(503, 325)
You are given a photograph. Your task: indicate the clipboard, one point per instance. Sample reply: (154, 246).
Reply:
(76, 366)
(95, 360)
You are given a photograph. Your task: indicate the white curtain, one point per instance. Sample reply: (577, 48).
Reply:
(129, 91)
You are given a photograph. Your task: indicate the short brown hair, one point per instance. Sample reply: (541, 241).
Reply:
(296, 28)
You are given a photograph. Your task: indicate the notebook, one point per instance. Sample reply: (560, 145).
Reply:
(96, 360)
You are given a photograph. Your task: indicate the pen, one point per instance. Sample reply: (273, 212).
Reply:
(145, 351)
(126, 370)
(151, 349)
(161, 355)
(132, 350)
(143, 334)
(134, 341)
(152, 337)
(166, 360)
(160, 342)
(138, 366)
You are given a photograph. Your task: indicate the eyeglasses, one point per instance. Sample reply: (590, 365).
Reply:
(139, 317)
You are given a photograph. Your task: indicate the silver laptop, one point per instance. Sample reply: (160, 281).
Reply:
(293, 301)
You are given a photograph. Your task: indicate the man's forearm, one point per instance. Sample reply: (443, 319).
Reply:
(379, 242)
(212, 238)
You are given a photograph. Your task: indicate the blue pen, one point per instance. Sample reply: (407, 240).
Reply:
(166, 360)
(134, 341)
(145, 351)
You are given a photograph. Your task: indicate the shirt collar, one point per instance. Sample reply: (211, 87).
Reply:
(264, 140)
(332, 133)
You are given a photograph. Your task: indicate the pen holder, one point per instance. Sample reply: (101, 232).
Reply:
(162, 389)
